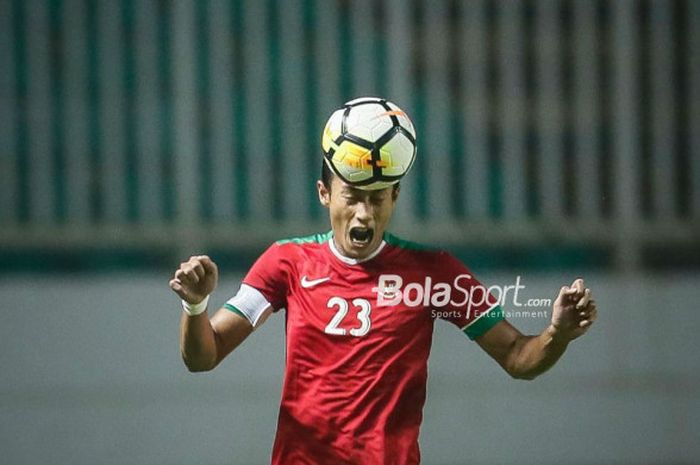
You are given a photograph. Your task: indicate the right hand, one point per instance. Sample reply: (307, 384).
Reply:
(195, 279)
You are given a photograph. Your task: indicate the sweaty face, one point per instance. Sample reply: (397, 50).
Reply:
(358, 217)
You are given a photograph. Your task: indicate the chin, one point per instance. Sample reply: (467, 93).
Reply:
(363, 251)
(352, 252)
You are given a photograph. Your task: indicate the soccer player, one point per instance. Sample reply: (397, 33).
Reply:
(360, 307)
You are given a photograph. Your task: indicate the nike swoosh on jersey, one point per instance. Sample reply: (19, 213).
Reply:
(306, 283)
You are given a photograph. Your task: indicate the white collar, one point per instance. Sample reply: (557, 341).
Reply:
(354, 261)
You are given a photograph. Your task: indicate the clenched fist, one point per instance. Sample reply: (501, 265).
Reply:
(195, 279)
(574, 310)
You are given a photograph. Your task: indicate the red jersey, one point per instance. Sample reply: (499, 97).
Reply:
(358, 336)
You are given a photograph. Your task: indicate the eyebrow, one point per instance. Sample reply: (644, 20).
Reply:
(351, 190)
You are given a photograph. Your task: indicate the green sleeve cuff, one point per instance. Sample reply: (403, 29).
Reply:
(481, 325)
(228, 306)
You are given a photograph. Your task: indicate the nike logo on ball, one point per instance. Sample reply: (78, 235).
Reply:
(306, 283)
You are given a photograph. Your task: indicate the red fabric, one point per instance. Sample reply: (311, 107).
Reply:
(353, 399)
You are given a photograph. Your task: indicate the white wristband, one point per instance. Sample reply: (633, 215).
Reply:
(195, 309)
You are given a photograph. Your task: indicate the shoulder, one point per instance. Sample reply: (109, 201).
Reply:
(318, 238)
(414, 248)
(424, 254)
(285, 255)
(407, 245)
(292, 246)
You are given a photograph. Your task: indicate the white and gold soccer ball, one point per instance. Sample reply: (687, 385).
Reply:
(370, 143)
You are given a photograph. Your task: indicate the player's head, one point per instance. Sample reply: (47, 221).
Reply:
(358, 217)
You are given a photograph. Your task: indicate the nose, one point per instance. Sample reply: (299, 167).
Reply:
(364, 211)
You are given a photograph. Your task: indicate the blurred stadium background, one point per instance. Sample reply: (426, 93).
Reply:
(556, 139)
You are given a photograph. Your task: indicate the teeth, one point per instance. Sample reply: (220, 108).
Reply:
(361, 234)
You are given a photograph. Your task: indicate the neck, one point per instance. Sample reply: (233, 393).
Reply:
(351, 260)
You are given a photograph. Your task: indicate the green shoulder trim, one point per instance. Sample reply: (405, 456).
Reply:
(404, 244)
(319, 238)
(228, 306)
(481, 325)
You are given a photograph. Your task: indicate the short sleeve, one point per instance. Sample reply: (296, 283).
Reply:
(469, 305)
(270, 275)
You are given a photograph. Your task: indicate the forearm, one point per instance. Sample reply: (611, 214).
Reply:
(198, 342)
(526, 357)
(533, 355)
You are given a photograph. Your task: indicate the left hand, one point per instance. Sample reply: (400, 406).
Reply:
(574, 310)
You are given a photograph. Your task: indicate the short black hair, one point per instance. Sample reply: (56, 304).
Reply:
(327, 177)
(326, 174)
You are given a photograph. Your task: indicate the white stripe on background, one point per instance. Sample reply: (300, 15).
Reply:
(8, 114)
(693, 79)
(221, 84)
(625, 111)
(327, 63)
(549, 111)
(475, 106)
(327, 78)
(512, 107)
(663, 110)
(437, 102)
(400, 89)
(186, 116)
(73, 24)
(257, 121)
(110, 52)
(363, 42)
(294, 110)
(626, 165)
(587, 140)
(41, 165)
(148, 148)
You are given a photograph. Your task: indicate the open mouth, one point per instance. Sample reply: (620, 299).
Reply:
(361, 236)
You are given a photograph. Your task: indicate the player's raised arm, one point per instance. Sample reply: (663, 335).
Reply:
(526, 357)
(204, 342)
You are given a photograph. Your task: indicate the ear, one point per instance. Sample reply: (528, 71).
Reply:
(324, 195)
